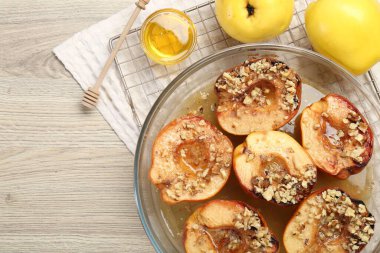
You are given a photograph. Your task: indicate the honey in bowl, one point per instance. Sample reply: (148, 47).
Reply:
(168, 36)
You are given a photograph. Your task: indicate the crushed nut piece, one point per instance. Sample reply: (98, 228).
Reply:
(363, 127)
(268, 193)
(353, 126)
(247, 100)
(204, 95)
(359, 137)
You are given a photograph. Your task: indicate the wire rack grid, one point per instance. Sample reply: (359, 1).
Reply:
(143, 80)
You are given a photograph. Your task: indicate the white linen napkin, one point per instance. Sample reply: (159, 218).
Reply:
(85, 53)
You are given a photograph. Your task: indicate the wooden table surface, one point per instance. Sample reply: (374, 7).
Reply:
(66, 180)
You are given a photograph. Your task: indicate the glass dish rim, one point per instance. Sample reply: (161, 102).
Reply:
(182, 15)
(195, 67)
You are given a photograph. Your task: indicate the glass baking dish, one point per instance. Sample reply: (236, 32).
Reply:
(320, 76)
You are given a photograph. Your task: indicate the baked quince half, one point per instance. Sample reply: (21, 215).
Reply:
(260, 94)
(191, 160)
(223, 226)
(272, 166)
(337, 136)
(329, 220)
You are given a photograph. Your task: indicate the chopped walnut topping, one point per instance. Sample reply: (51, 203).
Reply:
(256, 96)
(356, 129)
(281, 187)
(268, 193)
(256, 92)
(232, 83)
(353, 126)
(290, 99)
(182, 135)
(233, 243)
(353, 133)
(334, 211)
(349, 212)
(228, 77)
(247, 100)
(362, 208)
(359, 138)
(259, 236)
(242, 71)
(239, 80)
(356, 154)
(363, 127)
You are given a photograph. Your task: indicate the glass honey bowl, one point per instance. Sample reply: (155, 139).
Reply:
(168, 36)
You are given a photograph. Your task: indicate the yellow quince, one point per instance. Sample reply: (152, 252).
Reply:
(254, 20)
(346, 31)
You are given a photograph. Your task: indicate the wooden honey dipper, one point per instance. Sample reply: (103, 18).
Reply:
(91, 96)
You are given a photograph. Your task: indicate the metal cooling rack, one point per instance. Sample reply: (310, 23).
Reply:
(143, 80)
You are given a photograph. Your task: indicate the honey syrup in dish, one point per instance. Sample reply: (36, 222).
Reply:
(174, 216)
(168, 36)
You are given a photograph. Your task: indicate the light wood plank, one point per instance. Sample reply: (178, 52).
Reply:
(66, 180)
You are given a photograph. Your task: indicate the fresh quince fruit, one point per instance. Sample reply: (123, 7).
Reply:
(346, 31)
(254, 20)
